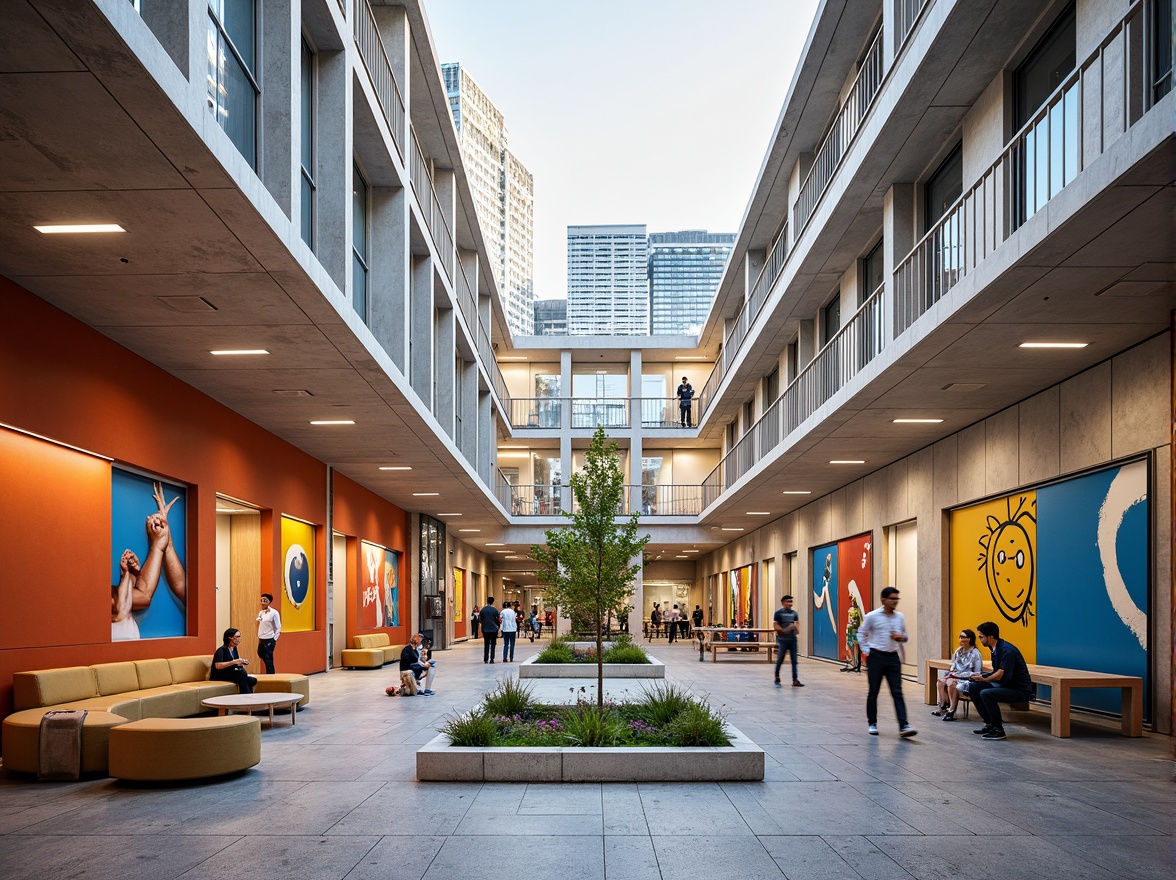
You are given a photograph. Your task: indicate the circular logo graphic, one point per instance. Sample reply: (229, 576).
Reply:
(296, 575)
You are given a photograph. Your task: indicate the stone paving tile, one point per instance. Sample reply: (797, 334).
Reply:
(551, 800)
(407, 857)
(623, 812)
(568, 858)
(113, 857)
(822, 807)
(630, 857)
(689, 809)
(291, 858)
(933, 858)
(708, 856)
(807, 858)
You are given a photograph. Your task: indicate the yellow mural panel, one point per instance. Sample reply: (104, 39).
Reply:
(458, 595)
(994, 569)
(297, 607)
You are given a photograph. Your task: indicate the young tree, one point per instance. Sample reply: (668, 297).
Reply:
(587, 564)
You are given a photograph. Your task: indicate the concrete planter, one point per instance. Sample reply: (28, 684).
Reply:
(742, 761)
(530, 669)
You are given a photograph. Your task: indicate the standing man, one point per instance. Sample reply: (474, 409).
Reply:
(880, 635)
(510, 631)
(671, 620)
(685, 396)
(786, 623)
(491, 620)
(1009, 681)
(475, 621)
(696, 616)
(269, 630)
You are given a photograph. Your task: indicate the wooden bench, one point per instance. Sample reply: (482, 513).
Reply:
(1061, 682)
(742, 649)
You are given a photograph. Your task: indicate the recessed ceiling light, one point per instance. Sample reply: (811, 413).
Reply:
(691, 551)
(732, 529)
(512, 357)
(797, 492)
(397, 467)
(691, 357)
(333, 422)
(848, 461)
(235, 351)
(512, 557)
(1054, 344)
(448, 514)
(495, 544)
(467, 530)
(424, 494)
(514, 455)
(58, 228)
(681, 557)
(917, 421)
(759, 513)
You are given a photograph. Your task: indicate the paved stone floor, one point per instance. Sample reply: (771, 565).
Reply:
(336, 797)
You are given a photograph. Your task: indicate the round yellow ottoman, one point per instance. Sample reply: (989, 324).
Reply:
(22, 737)
(169, 749)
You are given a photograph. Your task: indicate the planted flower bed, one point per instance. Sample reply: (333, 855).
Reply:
(565, 658)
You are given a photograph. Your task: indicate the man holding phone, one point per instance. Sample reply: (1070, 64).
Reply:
(881, 634)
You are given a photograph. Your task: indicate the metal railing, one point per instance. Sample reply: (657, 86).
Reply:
(422, 185)
(906, 13)
(1063, 136)
(605, 412)
(536, 412)
(664, 412)
(842, 358)
(542, 499)
(379, 70)
(837, 141)
(670, 500)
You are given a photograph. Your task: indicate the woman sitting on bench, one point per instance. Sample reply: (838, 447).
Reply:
(228, 666)
(965, 663)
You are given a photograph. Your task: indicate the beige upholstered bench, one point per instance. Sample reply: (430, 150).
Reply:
(284, 683)
(169, 749)
(370, 651)
(22, 736)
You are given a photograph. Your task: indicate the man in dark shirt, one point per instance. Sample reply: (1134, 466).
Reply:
(786, 622)
(685, 396)
(1009, 681)
(491, 621)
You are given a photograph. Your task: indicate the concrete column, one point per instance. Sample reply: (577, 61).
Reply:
(172, 23)
(752, 268)
(389, 275)
(196, 31)
(898, 237)
(420, 336)
(565, 434)
(278, 72)
(333, 110)
(890, 33)
(392, 22)
(487, 458)
(467, 406)
(806, 343)
(444, 367)
(444, 184)
(635, 429)
(637, 616)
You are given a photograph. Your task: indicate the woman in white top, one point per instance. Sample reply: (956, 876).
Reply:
(965, 663)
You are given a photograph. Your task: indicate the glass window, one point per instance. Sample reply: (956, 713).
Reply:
(873, 272)
(232, 79)
(307, 114)
(944, 188)
(771, 387)
(1161, 48)
(359, 239)
(830, 320)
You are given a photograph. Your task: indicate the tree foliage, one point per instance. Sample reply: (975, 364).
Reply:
(587, 565)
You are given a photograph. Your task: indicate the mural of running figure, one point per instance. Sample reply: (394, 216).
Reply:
(821, 599)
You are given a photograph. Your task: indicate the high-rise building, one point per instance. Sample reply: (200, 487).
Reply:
(551, 317)
(608, 284)
(504, 195)
(685, 269)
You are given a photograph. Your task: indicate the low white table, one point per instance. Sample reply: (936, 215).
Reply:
(253, 702)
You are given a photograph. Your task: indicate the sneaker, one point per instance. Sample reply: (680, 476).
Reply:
(797, 684)
(907, 730)
(987, 728)
(872, 729)
(995, 733)
(428, 693)
(778, 682)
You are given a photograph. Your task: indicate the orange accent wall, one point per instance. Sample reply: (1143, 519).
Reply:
(65, 381)
(364, 516)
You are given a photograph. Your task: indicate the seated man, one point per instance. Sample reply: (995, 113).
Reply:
(414, 665)
(426, 666)
(1009, 681)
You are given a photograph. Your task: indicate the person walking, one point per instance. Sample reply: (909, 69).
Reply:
(491, 620)
(510, 631)
(671, 621)
(475, 622)
(685, 396)
(269, 630)
(786, 623)
(882, 633)
(696, 615)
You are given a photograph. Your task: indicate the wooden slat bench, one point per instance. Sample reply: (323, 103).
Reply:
(1061, 682)
(742, 649)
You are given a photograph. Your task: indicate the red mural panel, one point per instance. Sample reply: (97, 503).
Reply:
(855, 577)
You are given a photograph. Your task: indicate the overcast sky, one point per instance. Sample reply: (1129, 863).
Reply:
(629, 111)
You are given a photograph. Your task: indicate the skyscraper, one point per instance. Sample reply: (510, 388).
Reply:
(685, 269)
(608, 284)
(503, 191)
(551, 317)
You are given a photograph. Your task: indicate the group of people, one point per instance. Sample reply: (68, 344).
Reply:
(227, 662)
(674, 620)
(880, 636)
(506, 623)
(417, 668)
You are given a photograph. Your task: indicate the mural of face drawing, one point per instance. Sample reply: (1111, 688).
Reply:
(1008, 564)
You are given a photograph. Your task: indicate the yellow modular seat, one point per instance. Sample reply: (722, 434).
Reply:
(169, 749)
(22, 736)
(371, 651)
(284, 683)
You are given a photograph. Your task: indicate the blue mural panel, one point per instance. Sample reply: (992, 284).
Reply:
(825, 640)
(1092, 545)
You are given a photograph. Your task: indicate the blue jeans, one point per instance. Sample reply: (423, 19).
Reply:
(508, 645)
(783, 645)
(880, 665)
(987, 697)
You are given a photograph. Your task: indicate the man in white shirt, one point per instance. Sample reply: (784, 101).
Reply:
(510, 632)
(671, 622)
(880, 636)
(269, 630)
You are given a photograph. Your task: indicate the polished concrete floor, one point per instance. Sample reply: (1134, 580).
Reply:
(335, 796)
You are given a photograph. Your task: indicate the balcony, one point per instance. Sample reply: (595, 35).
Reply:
(422, 185)
(379, 70)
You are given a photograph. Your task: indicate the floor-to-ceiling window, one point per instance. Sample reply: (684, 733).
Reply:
(359, 244)
(232, 72)
(307, 152)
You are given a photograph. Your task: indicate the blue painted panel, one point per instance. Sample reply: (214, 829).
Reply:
(824, 608)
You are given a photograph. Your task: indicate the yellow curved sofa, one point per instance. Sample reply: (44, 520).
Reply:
(371, 651)
(113, 694)
(170, 749)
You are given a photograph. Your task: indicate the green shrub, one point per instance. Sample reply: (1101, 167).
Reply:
(626, 653)
(661, 704)
(698, 725)
(471, 729)
(556, 652)
(509, 697)
(588, 725)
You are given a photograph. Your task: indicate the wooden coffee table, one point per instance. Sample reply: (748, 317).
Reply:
(253, 702)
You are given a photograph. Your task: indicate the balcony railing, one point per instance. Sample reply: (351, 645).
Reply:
(906, 13)
(379, 70)
(605, 412)
(842, 358)
(845, 127)
(543, 499)
(664, 412)
(422, 185)
(536, 412)
(670, 500)
(1066, 134)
